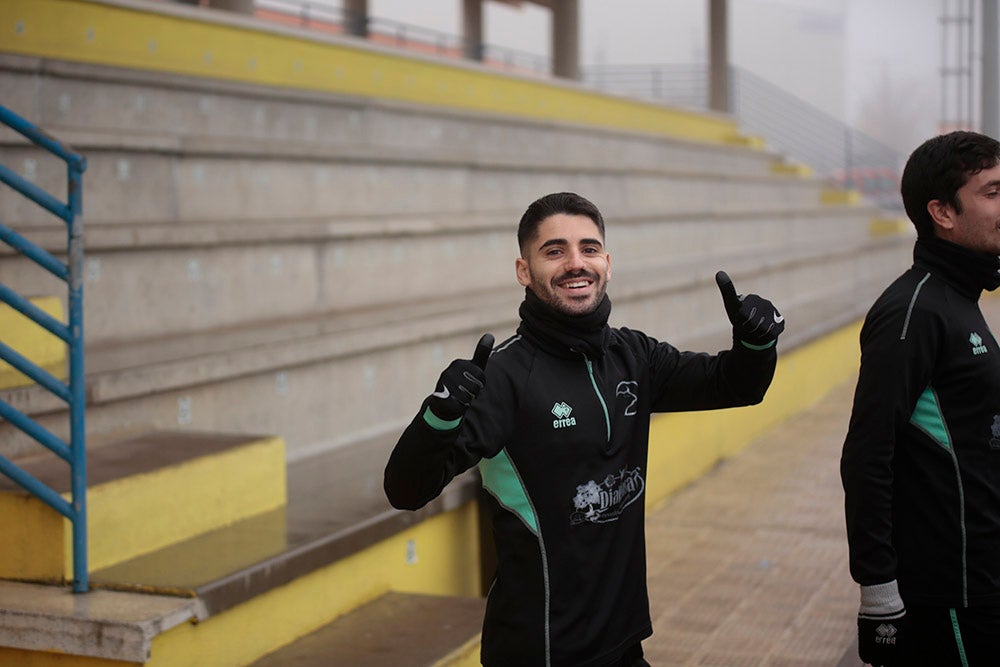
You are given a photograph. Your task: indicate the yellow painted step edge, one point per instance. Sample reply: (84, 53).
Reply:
(219, 45)
(791, 169)
(881, 227)
(839, 197)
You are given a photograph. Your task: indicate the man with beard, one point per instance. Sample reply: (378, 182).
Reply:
(558, 422)
(921, 460)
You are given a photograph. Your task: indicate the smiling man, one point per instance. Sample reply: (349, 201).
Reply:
(557, 418)
(921, 461)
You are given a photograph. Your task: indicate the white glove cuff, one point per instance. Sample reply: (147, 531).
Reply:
(881, 600)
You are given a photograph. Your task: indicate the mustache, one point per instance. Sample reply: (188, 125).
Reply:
(583, 273)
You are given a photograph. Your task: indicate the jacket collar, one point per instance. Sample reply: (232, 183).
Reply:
(565, 335)
(968, 271)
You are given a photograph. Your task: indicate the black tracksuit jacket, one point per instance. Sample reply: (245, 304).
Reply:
(561, 441)
(921, 460)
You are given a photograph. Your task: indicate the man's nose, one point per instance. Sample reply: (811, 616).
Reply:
(574, 260)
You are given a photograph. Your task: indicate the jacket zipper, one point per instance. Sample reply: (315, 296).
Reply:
(604, 406)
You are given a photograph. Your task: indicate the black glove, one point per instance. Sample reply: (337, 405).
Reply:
(756, 322)
(460, 383)
(882, 626)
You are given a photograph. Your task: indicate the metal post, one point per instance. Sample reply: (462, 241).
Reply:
(78, 437)
(566, 39)
(472, 29)
(990, 103)
(718, 56)
(356, 15)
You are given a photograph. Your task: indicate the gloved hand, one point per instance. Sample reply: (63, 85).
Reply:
(882, 626)
(460, 383)
(756, 322)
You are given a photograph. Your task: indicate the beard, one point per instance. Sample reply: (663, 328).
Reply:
(555, 298)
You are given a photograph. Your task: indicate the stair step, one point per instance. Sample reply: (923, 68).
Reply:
(144, 493)
(51, 625)
(336, 507)
(395, 629)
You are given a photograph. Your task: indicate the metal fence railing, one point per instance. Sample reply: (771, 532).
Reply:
(73, 393)
(322, 17)
(833, 149)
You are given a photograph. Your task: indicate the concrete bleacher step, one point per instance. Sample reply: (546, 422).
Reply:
(228, 274)
(293, 362)
(395, 629)
(336, 507)
(335, 510)
(143, 494)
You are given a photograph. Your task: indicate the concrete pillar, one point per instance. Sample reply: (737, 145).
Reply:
(990, 116)
(356, 17)
(238, 6)
(472, 29)
(566, 38)
(718, 56)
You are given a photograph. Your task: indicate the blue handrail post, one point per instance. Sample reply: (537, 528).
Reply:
(72, 334)
(77, 386)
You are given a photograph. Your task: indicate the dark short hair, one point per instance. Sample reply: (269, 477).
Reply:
(938, 169)
(569, 203)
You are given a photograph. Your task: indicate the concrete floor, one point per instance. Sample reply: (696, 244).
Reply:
(748, 565)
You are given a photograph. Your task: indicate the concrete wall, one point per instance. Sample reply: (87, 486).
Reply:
(304, 262)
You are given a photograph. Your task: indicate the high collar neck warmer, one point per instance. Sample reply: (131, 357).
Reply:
(970, 271)
(565, 335)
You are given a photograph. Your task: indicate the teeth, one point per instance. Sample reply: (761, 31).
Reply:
(576, 284)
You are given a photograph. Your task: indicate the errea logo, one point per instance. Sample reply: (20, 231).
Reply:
(977, 344)
(562, 412)
(885, 634)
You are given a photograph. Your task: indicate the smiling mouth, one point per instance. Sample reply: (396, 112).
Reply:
(577, 282)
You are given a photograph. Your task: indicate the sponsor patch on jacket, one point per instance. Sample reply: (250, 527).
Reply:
(605, 501)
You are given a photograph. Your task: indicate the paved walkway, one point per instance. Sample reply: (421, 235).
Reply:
(748, 565)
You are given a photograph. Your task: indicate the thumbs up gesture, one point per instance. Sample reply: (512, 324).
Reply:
(460, 383)
(756, 322)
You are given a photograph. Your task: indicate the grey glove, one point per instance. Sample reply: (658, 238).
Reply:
(881, 625)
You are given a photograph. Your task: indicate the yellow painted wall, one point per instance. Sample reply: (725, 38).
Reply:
(239, 49)
(35, 539)
(12, 657)
(683, 446)
(218, 490)
(31, 341)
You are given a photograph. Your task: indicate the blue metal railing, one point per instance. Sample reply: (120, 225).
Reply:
(72, 393)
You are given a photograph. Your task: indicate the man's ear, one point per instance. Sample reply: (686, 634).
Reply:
(942, 214)
(522, 272)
